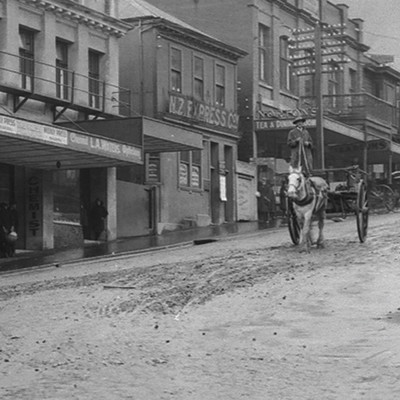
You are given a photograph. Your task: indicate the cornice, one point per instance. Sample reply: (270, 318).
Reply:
(82, 15)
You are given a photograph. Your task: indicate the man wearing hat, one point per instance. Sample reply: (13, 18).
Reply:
(301, 145)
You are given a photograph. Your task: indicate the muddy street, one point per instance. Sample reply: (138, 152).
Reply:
(246, 317)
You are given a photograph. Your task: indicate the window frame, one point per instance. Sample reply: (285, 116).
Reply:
(264, 54)
(175, 71)
(62, 73)
(198, 79)
(94, 75)
(285, 65)
(27, 57)
(220, 87)
(192, 167)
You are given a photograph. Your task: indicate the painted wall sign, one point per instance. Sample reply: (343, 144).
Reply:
(373, 145)
(71, 140)
(261, 125)
(198, 111)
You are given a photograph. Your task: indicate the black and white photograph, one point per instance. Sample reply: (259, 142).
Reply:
(199, 199)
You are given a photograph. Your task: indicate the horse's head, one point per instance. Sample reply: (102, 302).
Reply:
(295, 182)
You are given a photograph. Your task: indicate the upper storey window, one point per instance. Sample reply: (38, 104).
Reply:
(94, 79)
(220, 85)
(176, 70)
(264, 51)
(26, 54)
(62, 78)
(198, 78)
(286, 77)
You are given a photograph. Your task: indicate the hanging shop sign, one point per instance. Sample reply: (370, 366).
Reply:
(263, 125)
(198, 111)
(70, 140)
(306, 112)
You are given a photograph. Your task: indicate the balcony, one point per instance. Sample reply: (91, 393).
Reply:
(26, 78)
(353, 108)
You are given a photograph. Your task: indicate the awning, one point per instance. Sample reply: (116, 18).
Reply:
(31, 144)
(158, 136)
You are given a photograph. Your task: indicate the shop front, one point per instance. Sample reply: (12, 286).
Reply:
(48, 171)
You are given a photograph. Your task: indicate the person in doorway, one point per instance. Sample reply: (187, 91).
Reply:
(301, 146)
(266, 200)
(282, 197)
(97, 218)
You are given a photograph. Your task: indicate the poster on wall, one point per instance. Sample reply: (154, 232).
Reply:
(222, 188)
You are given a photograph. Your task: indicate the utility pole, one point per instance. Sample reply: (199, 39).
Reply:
(320, 140)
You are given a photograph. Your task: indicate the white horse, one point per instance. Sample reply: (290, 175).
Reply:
(309, 196)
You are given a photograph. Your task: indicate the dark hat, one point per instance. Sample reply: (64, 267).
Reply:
(299, 119)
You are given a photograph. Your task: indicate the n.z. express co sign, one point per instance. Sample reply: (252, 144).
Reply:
(197, 111)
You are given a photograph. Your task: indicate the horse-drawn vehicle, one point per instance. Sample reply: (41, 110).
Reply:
(313, 197)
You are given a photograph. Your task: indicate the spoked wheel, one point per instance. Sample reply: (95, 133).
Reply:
(362, 212)
(293, 223)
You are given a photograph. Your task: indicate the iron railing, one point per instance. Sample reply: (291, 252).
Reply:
(25, 75)
(357, 106)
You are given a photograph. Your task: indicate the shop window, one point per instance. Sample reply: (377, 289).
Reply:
(220, 85)
(176, 70)
(286, 77)
(198, 75)
(190, 173)
(94, 79)
(264, 51)
(62, 78)
(66, 189)
(26, 54)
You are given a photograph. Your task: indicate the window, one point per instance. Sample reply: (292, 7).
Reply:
(333, 83)
(153, 163)
(264, 40)
(286, 77)
(66, 195)
(26, 53)
(62, 70)
(220, 85)
(353, 81)
(94, 79)
(190, 169)
(176, 70)
(198, 78)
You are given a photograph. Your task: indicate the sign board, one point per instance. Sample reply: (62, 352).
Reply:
(70, 140)
(268, 125)
(222, 188)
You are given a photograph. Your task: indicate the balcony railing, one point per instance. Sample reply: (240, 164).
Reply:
(357, 106)
(28, 77)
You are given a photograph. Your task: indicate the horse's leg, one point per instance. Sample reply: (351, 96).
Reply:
(321, 223)
(306, 230)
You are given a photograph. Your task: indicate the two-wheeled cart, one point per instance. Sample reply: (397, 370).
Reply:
(350, 196)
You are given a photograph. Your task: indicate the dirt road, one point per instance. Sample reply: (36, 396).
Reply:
(243, 318)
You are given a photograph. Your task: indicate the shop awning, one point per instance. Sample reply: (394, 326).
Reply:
(31, 144)
(158, 136)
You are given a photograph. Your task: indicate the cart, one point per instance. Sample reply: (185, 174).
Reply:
(349, 197)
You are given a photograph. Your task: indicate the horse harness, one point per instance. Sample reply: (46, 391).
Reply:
(310, 196)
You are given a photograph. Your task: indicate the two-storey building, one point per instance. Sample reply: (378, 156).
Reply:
(59, 60)
(298, 51)
(186, 80)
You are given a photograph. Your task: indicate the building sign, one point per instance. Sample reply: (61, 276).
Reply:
(222, 188)
(70, 140)
(265, 125)
(201, 112)
(291, 114)
(312, 6)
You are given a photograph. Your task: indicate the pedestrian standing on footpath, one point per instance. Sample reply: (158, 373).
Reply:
(97, 218)
(301, 146)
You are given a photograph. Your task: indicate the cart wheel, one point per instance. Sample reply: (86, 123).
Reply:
(293, 224)
(362, 212)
